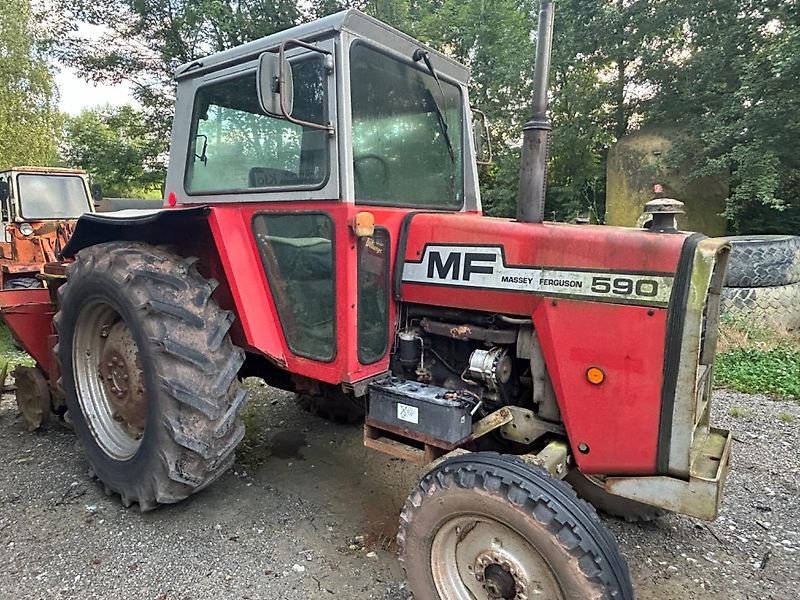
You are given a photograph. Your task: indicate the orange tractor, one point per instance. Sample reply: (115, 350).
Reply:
(322, 230)
(38, 209)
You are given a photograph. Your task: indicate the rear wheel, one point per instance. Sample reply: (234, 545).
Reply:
(492, 527)
(149, 372)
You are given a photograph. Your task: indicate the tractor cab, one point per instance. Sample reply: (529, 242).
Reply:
(38, 210)
(344, 109)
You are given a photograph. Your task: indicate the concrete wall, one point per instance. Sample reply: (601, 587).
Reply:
(637, 162)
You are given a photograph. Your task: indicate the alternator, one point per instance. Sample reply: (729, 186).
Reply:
(493, 367)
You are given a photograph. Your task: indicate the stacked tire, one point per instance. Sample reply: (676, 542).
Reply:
(762, 285)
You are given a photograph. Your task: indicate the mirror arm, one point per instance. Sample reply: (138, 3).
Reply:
(282, 82)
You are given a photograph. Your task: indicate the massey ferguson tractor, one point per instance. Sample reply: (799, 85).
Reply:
(322, 230)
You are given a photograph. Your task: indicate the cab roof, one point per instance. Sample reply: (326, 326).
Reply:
(44, 170)
(352, 21)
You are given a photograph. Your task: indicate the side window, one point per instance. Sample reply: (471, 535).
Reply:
(236, 146)
(373, 296)
(297, 253)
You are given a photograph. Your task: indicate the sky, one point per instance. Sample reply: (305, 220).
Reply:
(75, 93)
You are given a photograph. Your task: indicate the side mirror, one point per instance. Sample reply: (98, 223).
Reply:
(275, 84)
(97, 193)
(5, 191)
(481, 137)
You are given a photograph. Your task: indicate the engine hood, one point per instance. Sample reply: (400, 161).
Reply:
(469, 261)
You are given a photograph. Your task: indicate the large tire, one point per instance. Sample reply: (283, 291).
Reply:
(763, 261)
(483, 511)
(22, 283)
(775, 307)
(149, 372)
(614, 506)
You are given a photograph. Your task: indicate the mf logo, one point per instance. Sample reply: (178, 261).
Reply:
(459, 265)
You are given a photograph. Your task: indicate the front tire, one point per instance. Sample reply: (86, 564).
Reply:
(149, 372)
(491, 527)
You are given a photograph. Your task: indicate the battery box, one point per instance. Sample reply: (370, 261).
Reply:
(426, 413)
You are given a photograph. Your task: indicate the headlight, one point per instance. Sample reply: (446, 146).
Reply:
(26, 228)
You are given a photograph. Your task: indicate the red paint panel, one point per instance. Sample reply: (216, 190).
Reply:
(29, 316)
(619, 418)
(231, 226)
(245, 278)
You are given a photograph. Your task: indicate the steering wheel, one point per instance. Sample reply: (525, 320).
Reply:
(384, 178)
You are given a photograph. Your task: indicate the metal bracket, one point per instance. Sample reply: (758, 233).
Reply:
(526, 427)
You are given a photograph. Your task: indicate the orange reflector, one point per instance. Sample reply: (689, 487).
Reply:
(363, 224)
(595, 375)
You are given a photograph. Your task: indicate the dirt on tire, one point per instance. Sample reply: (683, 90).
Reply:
(582, 554)
(188, 363)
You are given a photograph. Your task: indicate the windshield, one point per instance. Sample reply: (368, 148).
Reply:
(52, 196)
(407, 133)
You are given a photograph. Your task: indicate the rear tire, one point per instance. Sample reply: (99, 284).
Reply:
(149, 372)
(609, 504)
(490, 526)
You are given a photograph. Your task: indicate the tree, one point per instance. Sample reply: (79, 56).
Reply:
(732, 82)
(28, 117)
(118, 149)
(144, 41)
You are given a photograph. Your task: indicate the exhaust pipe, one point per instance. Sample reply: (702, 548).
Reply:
(535, 133)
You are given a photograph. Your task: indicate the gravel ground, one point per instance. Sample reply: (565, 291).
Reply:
(308, 513)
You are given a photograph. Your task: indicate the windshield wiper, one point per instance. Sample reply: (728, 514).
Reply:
(420, 54)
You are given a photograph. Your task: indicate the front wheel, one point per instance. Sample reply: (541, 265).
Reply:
(492, 527)
(149, 372)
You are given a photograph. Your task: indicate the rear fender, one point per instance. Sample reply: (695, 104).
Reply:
(197, 232)
(157, 226)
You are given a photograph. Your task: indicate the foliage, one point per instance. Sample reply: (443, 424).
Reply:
(145, 41)
(732, 80)
(28, 119)
(774, 371)
(725, 70)
(118, 149)
(10, 354)
(755, 360)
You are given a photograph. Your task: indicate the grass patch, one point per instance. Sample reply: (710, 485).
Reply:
(9, 352)
(786, 417)
(754, 360)
(738, 411)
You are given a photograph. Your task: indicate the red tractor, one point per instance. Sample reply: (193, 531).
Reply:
(323, 231)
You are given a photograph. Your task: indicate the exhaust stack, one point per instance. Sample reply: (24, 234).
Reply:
(535, 133)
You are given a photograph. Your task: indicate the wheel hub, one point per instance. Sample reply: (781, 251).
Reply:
(500, 576)
(479, 557)
(122, 379)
